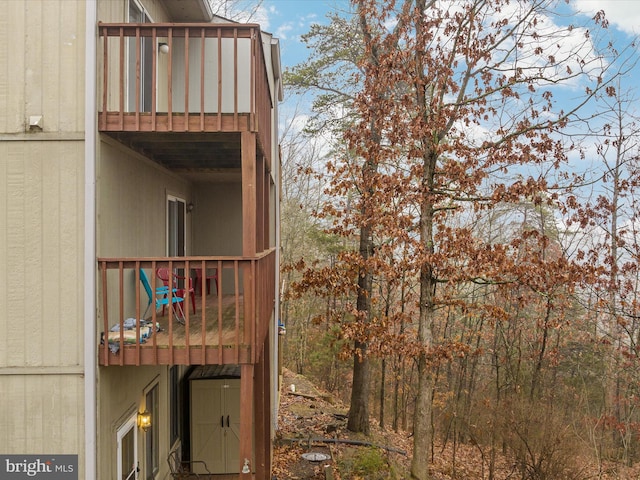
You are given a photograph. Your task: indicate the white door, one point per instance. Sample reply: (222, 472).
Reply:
(127, 438)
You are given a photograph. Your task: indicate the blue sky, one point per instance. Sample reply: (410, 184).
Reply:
(288, 19)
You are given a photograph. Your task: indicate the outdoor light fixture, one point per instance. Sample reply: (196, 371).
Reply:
(144, 420)
(163, 48)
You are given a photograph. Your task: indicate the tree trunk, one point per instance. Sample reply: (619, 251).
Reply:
(422, 423)
(383, 379)
(422, 432)
(359, 409)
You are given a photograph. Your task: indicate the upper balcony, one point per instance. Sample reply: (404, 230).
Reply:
(192, 80)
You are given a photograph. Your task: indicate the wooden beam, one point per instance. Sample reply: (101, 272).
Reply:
(261, 204)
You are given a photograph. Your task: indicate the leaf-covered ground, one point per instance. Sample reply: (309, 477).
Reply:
(308, 414)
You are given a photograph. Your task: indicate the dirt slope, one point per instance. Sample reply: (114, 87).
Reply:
(308, 415)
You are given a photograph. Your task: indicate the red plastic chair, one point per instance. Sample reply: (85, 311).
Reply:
(163, 274)
(186, 286)
(208, 278)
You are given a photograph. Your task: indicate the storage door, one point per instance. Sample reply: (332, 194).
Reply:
(206, 426)
(215, 424)
(232, 426)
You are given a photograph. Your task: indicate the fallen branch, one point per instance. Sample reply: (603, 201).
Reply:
(344, 441)
(304, 395)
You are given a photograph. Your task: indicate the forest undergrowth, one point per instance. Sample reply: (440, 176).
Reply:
(311, 420)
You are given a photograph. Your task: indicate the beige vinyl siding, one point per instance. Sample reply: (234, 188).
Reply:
(116, 11)
(132, 197)
(41, 245)
(217, 219)
(12, 61)
(42, 64)
(42, 414)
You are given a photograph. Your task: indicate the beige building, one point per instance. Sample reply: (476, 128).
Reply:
(139, 189)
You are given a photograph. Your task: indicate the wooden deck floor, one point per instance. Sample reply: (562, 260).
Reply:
(223, 323)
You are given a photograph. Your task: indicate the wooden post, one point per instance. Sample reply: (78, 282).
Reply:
(246, 421)
(262, 417)
(249, 234)
(249, 246)
(261, 205)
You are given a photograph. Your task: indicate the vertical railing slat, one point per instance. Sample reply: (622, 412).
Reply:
(220, 320)
(105, 79)
(170, 81)
(219, 79)
(186, 79)
(203, 307)
(137, 316)
(105, 313)
(237, 309)
(250, 316)
(154, 320)
(121, 79)
(186, 295)
(235, 79)
(121, 310)
(170, 310)
(154, 77)
(202, 89)
(138, 78)
(255, 45)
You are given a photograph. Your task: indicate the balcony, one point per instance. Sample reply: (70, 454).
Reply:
(229, 327)
(183, 88)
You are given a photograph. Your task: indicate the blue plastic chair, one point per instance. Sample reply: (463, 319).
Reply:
(162, 297)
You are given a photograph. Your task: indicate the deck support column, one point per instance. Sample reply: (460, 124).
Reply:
(246, 421)
(249, 195)
(249, 242)
(263, 411)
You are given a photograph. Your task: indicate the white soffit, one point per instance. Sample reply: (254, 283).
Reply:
(188, 10)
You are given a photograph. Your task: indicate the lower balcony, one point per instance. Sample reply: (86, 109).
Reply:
(184, 310)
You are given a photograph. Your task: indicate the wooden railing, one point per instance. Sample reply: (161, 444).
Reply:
(212, 78)
(230, 325)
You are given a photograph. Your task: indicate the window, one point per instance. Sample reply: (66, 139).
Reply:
(151, 437)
